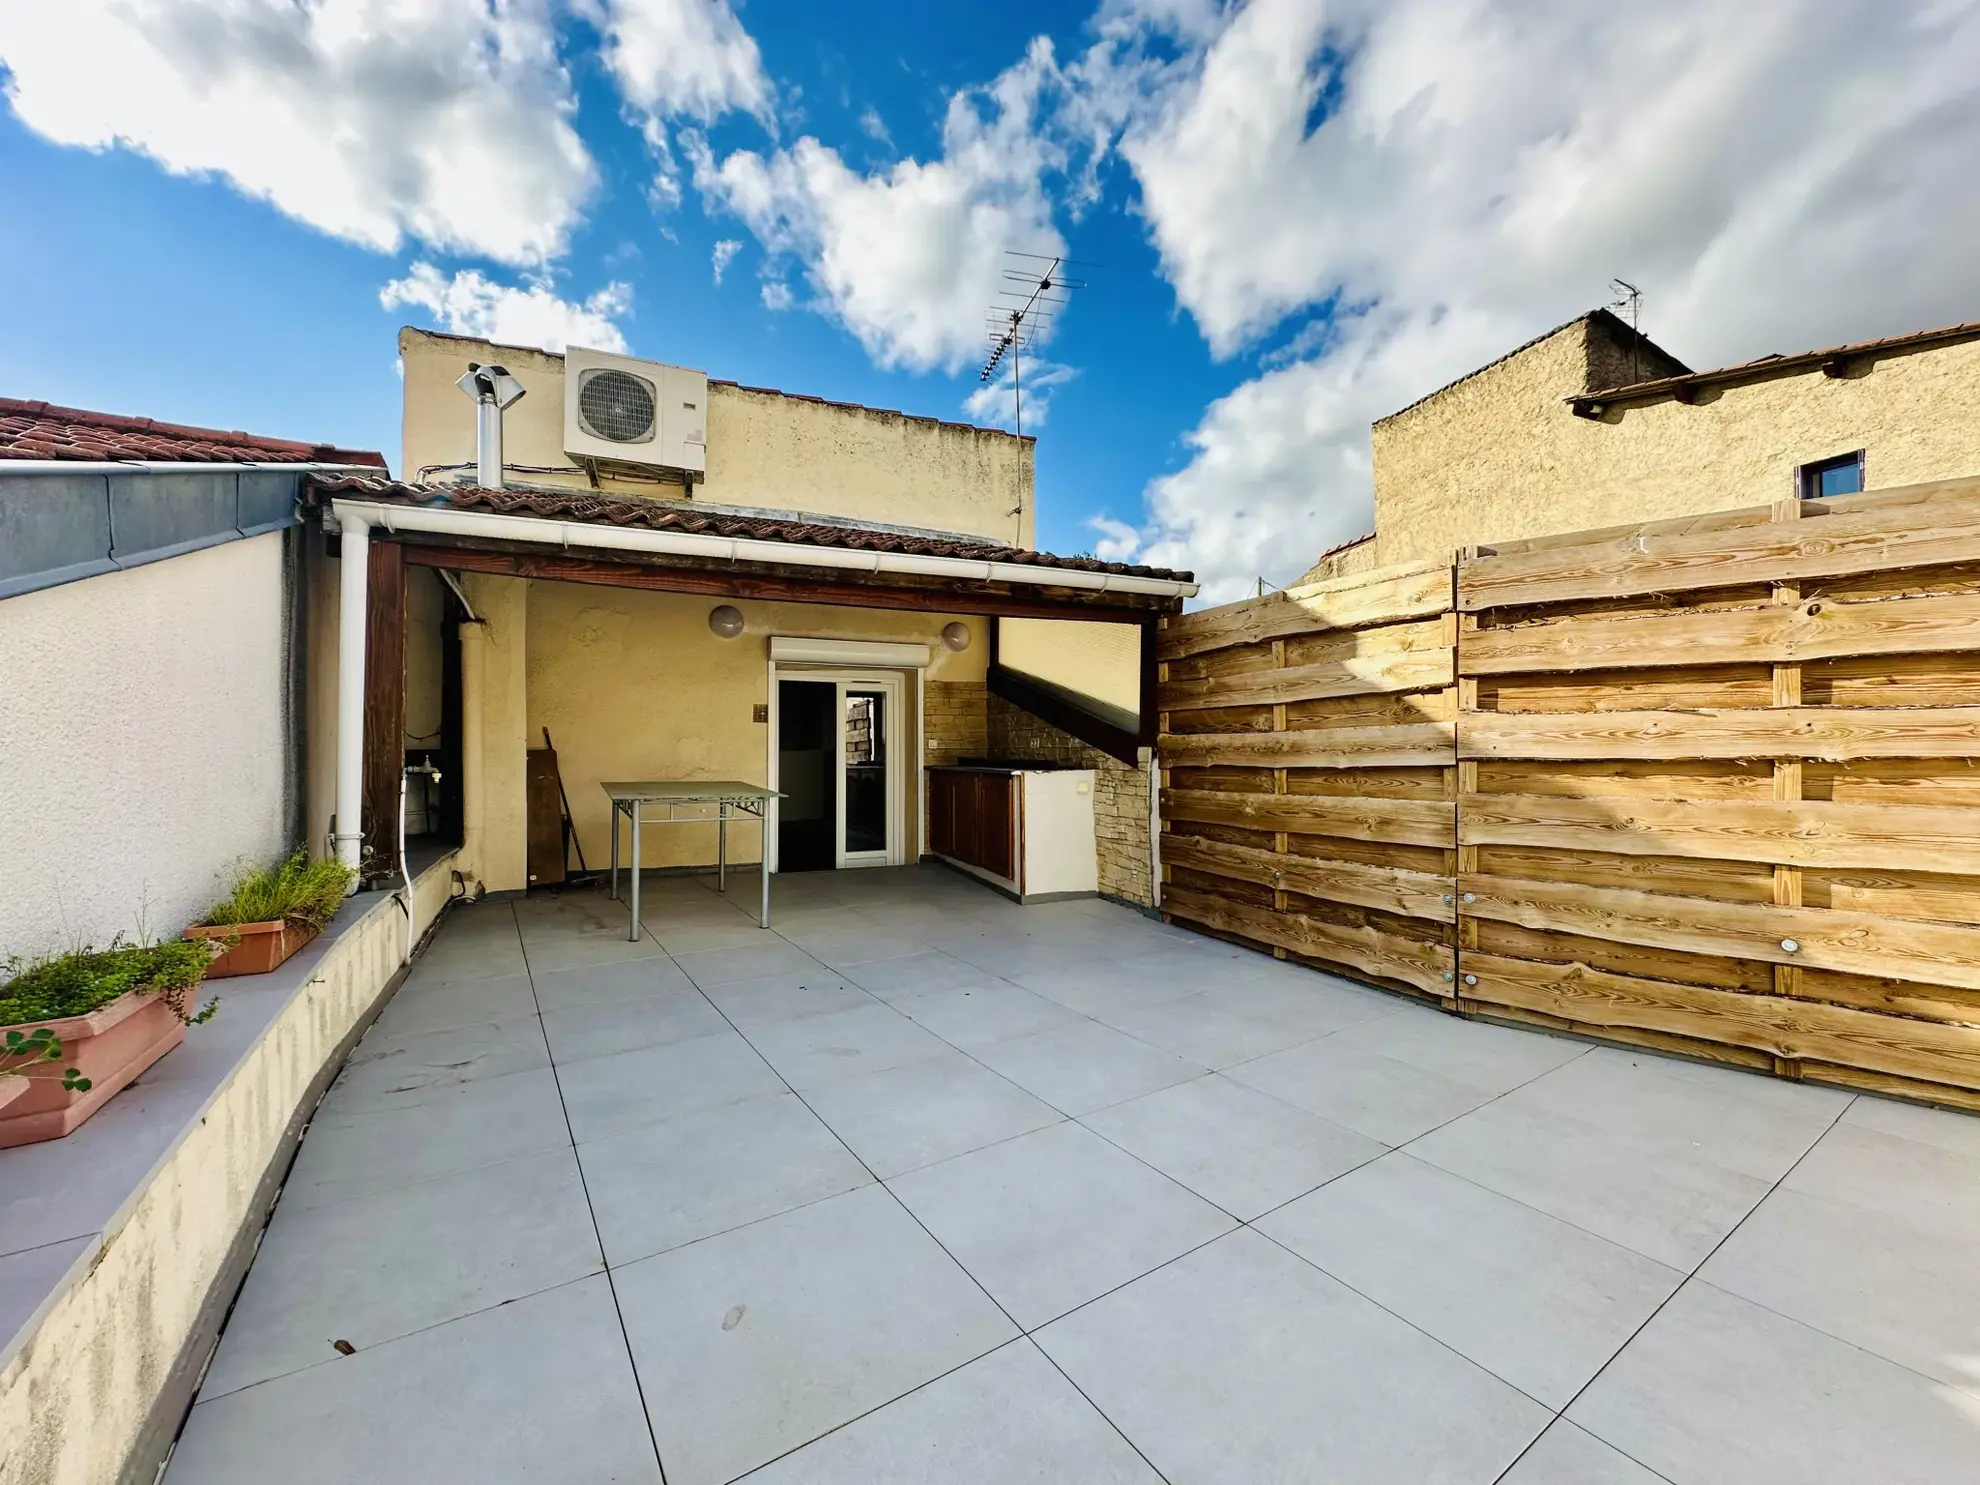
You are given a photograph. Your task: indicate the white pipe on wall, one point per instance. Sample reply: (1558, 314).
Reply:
(474, 697)
(447, 521)
(353, 580)
(488, 442)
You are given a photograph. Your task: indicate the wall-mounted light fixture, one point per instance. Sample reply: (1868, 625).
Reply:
(725, 621)
(956, 636)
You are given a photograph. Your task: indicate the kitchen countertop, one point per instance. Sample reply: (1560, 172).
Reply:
(1019, 765)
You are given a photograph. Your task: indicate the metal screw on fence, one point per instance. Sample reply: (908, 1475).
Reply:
(1790, 945)
(1447, 976)
(1471, 979)
(1471, 897)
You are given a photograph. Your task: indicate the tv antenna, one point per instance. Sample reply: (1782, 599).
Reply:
(1630, 301)
(1037, 289)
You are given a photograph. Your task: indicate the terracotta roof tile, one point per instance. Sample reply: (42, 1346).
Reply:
(41, 430)
(1833, 360)
(658, 515)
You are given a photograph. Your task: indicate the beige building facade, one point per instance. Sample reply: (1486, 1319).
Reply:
(634, 684)
(1591, 425)
(767, 450)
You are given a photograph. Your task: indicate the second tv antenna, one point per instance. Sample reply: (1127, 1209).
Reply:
(1037, 289)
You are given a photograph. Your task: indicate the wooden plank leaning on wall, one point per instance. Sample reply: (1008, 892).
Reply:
(1307, 754)
(1719, 792)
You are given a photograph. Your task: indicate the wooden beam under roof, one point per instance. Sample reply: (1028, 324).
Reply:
(772, 584)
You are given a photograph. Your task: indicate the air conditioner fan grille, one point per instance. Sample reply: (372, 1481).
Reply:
(617, 406)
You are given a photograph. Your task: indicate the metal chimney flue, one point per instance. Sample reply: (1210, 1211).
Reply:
(494, 392)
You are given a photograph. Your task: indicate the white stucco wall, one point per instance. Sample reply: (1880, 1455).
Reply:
(142, 749)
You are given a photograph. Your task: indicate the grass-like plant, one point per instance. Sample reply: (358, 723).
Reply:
(298, 890)
(85, 980)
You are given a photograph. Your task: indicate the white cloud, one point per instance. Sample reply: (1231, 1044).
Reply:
(777, 295)
(725, 254)
(679, 59)
(447, 121)
(874, 127)
(996, 402)
(1117, 542)
(1457, 175)
(532, 315)
(908, 258)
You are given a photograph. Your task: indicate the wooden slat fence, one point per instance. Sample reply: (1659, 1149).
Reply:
(1309, 775)
(1720, 791)
(1710, 785)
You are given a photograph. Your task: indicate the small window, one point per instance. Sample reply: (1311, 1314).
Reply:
(1842, 475)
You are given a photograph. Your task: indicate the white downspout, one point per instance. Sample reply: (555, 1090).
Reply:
(354, 573)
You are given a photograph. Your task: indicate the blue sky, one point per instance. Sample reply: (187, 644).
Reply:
(1303, 214)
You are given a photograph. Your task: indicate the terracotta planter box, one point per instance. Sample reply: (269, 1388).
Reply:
(261, 948)
(110, 1046)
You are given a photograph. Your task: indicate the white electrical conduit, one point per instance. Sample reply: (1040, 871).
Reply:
(405, 866)
(450, 522)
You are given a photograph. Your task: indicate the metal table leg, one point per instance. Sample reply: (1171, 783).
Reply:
(763, 870)
(615, 850)
(722, 847)
(633, 932)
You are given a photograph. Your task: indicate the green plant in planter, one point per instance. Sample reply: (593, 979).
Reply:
(23, 1051)
(298, 890)
(85, 980)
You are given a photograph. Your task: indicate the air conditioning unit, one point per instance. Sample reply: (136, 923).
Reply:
(619, 411)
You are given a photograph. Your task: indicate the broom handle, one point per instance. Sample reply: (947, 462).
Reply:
(570, 823)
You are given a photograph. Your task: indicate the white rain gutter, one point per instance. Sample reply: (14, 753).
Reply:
(355, 518)
(446, 521)
(353, 581)
(178, 466)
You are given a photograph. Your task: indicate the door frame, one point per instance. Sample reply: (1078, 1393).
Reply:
(887, 680)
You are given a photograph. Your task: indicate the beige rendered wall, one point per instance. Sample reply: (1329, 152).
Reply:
(764, 448)
(424, 614)
(1098, 660)
(143, 744)
(1500, 456)
(495, 736)
(632, 685)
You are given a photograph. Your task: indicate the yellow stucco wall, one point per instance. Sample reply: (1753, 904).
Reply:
(1098, 660)
(1499, 456)
(494, 732)
(425, 612)
(632, 685)
(764, 448)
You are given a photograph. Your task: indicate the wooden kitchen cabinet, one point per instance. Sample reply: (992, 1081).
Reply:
(972, 816)
(1028, 832)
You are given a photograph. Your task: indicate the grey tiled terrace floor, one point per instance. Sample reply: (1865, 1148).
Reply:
(926, 1187)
